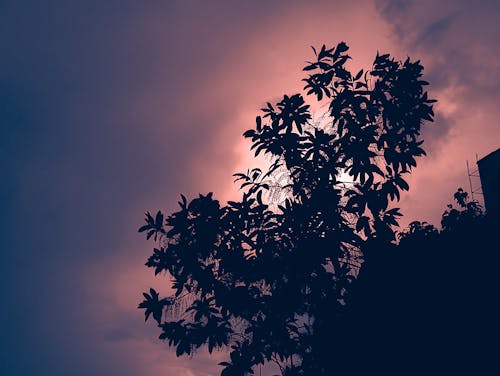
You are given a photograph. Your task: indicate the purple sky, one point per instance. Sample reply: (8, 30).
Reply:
(110, 110)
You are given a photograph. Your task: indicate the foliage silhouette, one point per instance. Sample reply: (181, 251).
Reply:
(279, 283)
(439, 312)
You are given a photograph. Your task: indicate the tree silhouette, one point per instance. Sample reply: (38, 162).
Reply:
(275, 283)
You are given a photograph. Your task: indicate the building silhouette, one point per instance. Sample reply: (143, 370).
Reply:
(489, 171)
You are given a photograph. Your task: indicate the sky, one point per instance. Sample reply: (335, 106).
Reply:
(110, 109)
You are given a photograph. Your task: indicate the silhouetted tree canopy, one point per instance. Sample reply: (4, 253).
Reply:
(279, 283)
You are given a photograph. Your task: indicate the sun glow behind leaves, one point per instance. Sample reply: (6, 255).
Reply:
(278, 180)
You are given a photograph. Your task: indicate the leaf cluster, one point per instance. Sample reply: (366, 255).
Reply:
(274, 284)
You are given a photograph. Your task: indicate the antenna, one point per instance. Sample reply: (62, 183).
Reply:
(475, 188)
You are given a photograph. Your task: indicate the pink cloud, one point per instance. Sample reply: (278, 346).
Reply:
(220, 100)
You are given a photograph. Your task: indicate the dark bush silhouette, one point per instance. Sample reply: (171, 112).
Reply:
(278, 283)
(430, 306)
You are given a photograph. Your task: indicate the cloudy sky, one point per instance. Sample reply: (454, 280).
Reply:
(109, 109)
